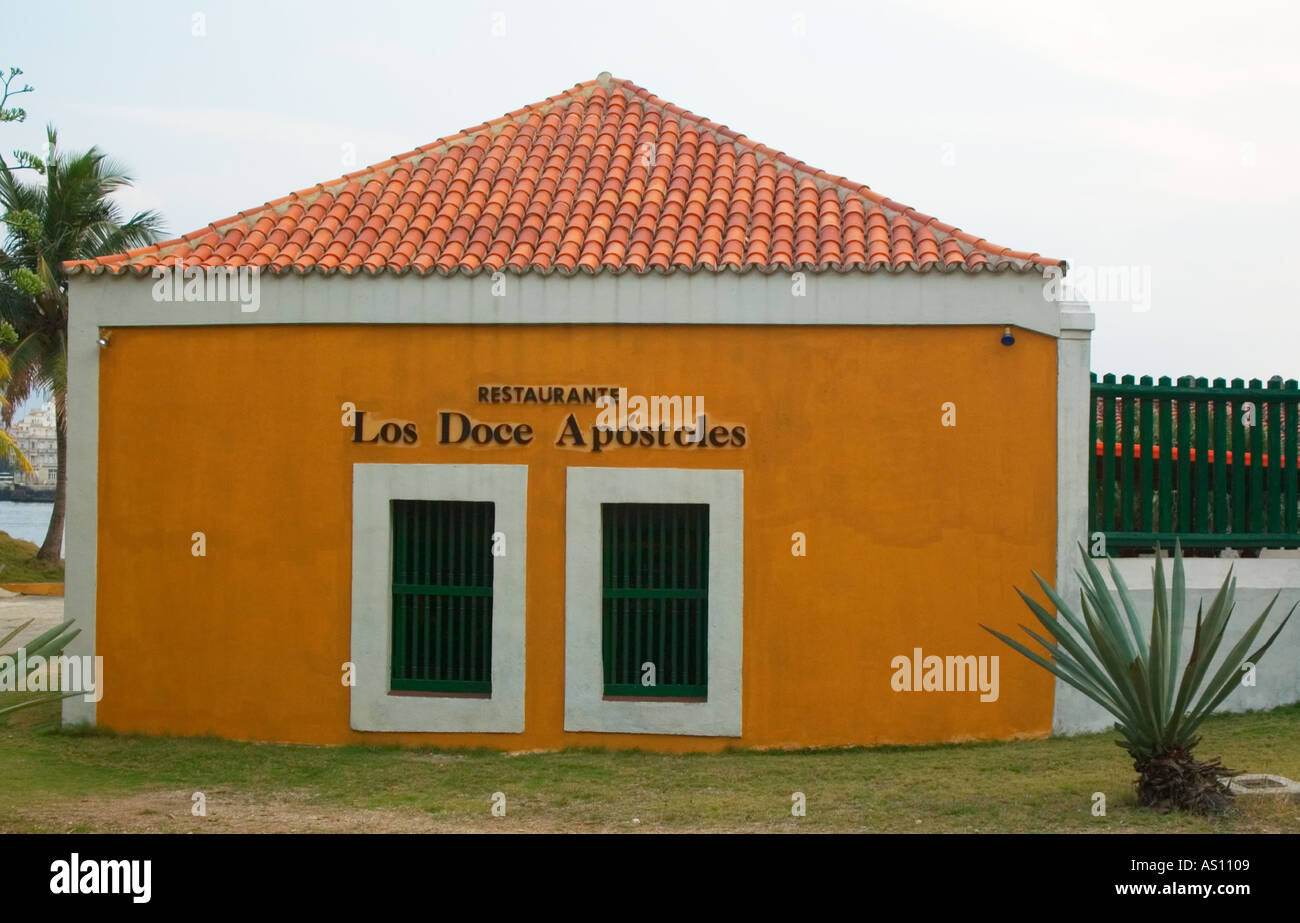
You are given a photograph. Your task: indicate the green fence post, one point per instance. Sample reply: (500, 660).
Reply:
(1274, 495)
(1220, 457)
(1094, 463)
(1166, 458)
(1108, 456)
(1257, 518)
(1185, 490)
(1126, 458)
(1290, 474)
(1202, 432)
(1148, 459)
(1239, 450)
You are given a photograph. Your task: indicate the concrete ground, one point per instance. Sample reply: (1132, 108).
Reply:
(47, 611)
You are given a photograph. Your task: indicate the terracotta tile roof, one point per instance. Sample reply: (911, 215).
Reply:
(603, 177)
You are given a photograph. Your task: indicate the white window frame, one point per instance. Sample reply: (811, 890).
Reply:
(374, 707)
(585, 705)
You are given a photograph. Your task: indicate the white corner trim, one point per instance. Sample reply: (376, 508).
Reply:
(585, 708)
(373, 708)
(1077, 319)
(82, 525)
(1073, 408)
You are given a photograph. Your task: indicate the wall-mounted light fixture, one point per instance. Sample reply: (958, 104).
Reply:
(1008, 339)
(104, 336)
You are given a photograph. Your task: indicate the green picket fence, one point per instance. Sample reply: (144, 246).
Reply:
(1212, 465)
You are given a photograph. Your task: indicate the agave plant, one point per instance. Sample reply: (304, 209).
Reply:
(1107, 655)
(48, 644)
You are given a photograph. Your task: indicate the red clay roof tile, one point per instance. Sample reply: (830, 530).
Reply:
(606, 176)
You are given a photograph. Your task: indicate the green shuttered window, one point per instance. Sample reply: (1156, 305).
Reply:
(655, 581)
(442, 596)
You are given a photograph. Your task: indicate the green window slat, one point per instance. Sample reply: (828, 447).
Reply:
(638, 525)
(674, 669)
(703, 661)
(471, 631)
(485, 646)
(624, 637)
(638, 635)
(661, 623)
(685, 691)
(442, 596)
(650, 569)
(425, 589)
(655, 593)
(455, 549)
(609, 626)
(399, 636)
(463, 641)
(423, 607)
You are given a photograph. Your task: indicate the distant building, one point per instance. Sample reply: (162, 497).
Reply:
(37, 438)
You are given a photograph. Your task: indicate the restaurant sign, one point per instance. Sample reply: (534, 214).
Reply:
(622, 420)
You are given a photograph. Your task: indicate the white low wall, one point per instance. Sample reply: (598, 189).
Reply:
(1277, 676)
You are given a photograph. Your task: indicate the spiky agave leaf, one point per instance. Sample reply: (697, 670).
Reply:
(37, 700)
(1177, 603)
(52, 642)
(1226, 679)
(47, 644)
(15, 633)
(1079, 661)
(1103, 651)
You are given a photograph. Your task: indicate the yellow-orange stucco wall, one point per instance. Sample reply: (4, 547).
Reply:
(916, 532)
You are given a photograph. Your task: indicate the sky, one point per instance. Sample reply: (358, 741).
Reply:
(1151, 144)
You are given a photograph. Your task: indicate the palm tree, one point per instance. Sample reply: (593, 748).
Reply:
(69, 216)
(9, 450)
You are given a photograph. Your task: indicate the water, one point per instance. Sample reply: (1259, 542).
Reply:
(27, 521)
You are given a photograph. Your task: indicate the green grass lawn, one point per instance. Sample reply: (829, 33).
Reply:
(56, 781)
(18, 563)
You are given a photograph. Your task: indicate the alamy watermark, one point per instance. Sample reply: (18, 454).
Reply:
(673, 412)
(932, 673)
(1100, 286)
(76, 875)
(209, 284)
(64, 673)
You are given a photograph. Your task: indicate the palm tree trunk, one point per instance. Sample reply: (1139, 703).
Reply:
(52, 549)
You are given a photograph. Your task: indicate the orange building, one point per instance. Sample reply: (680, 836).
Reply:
(596, 425)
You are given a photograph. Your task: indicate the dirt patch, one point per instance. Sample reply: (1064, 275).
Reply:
(238, 812)
(44, 612)
(230, 811)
